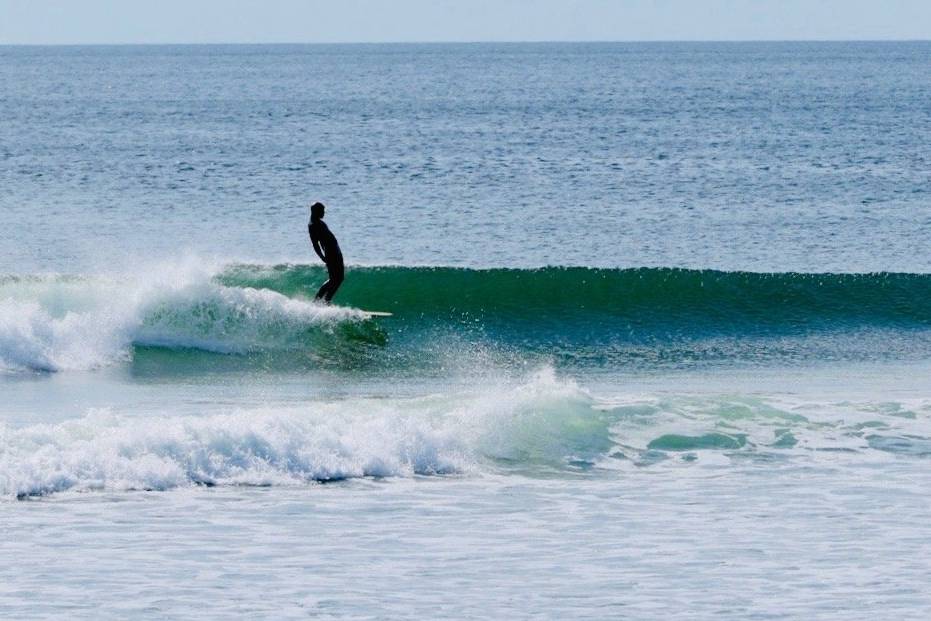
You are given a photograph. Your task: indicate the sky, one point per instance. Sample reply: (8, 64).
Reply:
(336, 21)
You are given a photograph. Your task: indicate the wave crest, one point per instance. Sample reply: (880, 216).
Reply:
(658, 316)
(543, 420)
(56, 323)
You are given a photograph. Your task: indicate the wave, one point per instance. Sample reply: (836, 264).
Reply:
(542, 424)
(627, 318)
(638, 297)
(52, 322)
(585, 315)
(538, 422)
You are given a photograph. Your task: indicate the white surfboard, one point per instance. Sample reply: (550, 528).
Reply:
(370, 314)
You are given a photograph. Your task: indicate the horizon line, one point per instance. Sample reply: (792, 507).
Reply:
(452, 42)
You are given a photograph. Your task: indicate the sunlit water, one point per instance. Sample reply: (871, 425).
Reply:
(741, 431)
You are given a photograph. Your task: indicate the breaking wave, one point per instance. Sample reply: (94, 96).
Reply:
(539, 425)
(540, 421)
(601, 316)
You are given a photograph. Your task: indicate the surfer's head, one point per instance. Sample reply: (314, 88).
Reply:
(317, 209)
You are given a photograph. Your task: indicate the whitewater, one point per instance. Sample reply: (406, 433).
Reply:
(53, 323)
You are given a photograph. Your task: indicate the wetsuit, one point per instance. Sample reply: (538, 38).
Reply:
(327, 248)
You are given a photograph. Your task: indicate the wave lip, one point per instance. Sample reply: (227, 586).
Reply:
(53, 323)
(222, 319)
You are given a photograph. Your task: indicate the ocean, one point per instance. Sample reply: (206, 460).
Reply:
(660, 343)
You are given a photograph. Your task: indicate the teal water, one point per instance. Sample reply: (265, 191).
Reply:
(580, 319)
(659, 345)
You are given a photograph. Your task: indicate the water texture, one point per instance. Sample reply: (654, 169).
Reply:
(660, 342)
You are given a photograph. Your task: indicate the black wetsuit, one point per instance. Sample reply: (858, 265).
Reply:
(320, 235)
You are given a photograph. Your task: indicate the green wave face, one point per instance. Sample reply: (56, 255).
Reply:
(632, 316)
(639, 297)
(449, 317)
(608, 300)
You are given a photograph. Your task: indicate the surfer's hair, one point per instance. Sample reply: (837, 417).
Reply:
(316, 210)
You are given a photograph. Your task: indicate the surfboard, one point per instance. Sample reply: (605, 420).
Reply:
(370, 314)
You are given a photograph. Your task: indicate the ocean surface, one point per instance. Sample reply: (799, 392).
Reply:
(660, 344)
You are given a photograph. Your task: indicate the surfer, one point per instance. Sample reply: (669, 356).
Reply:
(327, 248)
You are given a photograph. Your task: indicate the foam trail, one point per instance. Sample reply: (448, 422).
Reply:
(543, 420)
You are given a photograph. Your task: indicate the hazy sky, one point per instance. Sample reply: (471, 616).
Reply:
(257, 21)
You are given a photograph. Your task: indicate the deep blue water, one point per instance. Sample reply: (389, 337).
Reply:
(756, 156)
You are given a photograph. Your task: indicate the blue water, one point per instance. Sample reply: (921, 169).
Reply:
(660, 347)
(774, 157)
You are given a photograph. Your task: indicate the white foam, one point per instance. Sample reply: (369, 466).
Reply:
(103, 451)
(537, 420)
(59, 323)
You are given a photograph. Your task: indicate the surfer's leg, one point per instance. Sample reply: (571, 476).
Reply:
(323, 291)
(337, 273)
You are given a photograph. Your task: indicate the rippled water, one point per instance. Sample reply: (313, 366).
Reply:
(718, 542)
(764, 156)
(720, 409)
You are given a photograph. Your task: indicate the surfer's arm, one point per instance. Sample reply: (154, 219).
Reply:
(316, 244)
(319, 251)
